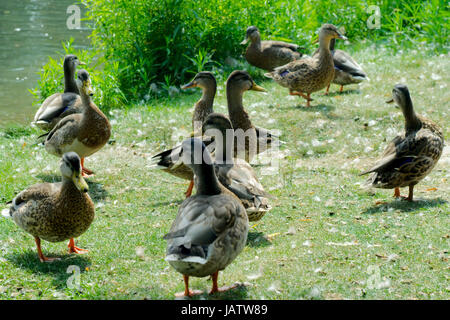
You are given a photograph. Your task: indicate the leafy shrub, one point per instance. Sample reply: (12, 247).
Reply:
(150, 46)
(107, 93)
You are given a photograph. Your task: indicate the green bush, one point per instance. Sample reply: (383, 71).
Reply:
(160, 43)
(107, 93)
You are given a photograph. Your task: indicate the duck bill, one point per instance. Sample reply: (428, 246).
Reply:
(79, 182)
(255, 87)
(244, 41)
(390, 100)
(81, 63)
(191, 84)
(88, 88)
(340, 36)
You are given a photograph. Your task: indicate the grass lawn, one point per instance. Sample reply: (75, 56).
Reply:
(325, 238)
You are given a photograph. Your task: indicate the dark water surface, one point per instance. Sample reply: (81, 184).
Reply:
(30, 31)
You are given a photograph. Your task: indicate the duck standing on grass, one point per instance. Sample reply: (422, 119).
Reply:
(56, 211)
(211, 227)
(310, 74)
(268, 54)
(59, 105)
(84, 133)
(410, 157)
(346, 69)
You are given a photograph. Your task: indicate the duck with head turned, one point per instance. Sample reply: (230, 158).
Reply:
(211, 227)
(305, 76)
(268, 54)
(84, 133)
(60, 105)
(411, 156)
(56, 211)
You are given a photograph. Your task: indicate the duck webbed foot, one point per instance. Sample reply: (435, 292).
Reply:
(188, 192)
(85, 172)
(74, 249)
(215, 288)
(408, 198)
(307, 97)
(40, 254)
(187, 292)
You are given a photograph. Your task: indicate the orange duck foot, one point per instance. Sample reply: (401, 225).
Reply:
(188, 192)
(187, 292)
(85, 172)
(74, 249)
(215, 288)
(42, 258)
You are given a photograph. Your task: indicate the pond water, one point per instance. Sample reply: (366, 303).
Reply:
(30, 31)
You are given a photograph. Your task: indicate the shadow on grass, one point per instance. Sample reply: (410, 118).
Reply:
(405, 206)
(343, 93)
(238, 293)
(57, 269)
(96, 190)
(174, 203)
(257, 239)
(326, 109)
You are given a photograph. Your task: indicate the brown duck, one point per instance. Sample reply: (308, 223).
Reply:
(411, 156)
(257, 140)
(84, 133)
(203, 107)
(56, 211)
(346, 69)
(268, 54)
(310, 74)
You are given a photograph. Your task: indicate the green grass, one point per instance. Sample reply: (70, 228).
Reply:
(325, 235)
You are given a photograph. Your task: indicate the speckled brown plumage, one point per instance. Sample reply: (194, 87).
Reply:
(410, 157)
(83, 133)
(56, 211)
(268, 54)
(310, 74)
(53, 211)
